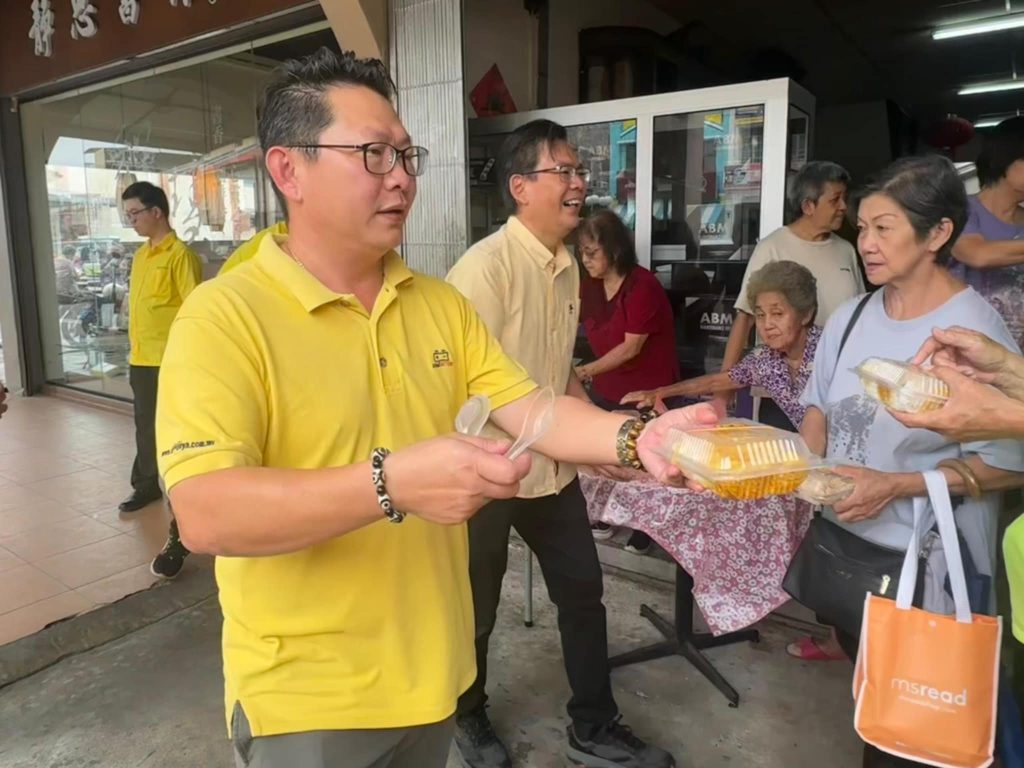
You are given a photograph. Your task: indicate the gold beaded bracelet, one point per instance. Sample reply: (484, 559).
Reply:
(625, 443)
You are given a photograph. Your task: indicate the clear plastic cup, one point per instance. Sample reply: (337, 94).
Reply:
(741, 459)
(901, 386)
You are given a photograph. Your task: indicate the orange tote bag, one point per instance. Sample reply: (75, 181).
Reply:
(926, 684)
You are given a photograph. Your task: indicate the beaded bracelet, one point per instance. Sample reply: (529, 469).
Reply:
(625, 443)
(383, 499)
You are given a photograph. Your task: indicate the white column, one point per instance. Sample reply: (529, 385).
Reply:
(8, 320)
(426, 63)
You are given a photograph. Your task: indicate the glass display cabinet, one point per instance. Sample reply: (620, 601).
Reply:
(699, 176)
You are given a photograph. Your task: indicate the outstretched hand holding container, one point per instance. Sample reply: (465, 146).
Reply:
(741, 459)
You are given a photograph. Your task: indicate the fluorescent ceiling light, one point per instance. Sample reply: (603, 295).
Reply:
(981, 26)
(993, 87)
(991, 121)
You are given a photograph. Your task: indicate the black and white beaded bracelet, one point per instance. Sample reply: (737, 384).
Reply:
(379, 483)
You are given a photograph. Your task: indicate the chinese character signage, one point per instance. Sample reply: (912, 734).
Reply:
(42, 27)
(84, 22)
(83, 19)
(129, 11)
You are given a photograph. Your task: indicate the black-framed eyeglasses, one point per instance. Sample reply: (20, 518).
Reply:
(132, 215)
(567, 173)
(379, 157)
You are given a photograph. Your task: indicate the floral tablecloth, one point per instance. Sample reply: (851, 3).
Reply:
(736, 551)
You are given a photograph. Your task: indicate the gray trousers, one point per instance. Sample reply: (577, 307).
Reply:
(423, 746)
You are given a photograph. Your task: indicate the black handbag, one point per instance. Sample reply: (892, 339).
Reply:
(833, 570)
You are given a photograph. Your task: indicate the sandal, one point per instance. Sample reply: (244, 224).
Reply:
(807, 649)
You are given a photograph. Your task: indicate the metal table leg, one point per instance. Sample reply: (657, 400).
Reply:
(681, 640)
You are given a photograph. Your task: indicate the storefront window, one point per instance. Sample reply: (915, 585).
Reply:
(609, 151)
(705, 221)
(191, 131)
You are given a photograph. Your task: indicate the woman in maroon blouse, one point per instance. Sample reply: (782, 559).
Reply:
(625, 313)
(628, 321)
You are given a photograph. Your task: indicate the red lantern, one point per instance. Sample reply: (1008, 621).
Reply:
(949, 133)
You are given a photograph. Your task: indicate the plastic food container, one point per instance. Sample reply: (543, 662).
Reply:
(825, 487)
(901, 386)
(741, 459)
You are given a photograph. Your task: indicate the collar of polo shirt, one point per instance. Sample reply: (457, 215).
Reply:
(311, 293)
(544, 258)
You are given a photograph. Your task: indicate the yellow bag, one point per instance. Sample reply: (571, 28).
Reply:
(926, 684)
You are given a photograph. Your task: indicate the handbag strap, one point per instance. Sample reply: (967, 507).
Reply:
(942, 508)
(849, 328)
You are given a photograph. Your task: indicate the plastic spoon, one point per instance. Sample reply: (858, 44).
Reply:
(473, 415)
(537, 423)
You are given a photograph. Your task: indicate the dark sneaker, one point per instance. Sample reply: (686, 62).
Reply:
(169, 562)
(639, 543)
(602, 531)
(477, 743)
(138, 500)
(615, 746)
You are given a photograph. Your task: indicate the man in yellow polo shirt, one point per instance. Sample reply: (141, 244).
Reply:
(164, 272)
(306, 405)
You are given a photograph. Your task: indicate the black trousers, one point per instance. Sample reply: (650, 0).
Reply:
(557, 529)
(145, 476)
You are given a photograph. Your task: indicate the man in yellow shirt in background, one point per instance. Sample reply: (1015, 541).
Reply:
(164, 272)
(248, 249)
(304, 426)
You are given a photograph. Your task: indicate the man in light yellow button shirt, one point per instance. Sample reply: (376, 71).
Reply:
(307, 400)
(164, 272)
(526, 286)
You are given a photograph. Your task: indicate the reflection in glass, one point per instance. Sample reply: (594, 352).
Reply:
(191, 131)
(607, 150)
(705, 221)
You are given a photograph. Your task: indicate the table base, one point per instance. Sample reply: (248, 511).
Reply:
(681, 640)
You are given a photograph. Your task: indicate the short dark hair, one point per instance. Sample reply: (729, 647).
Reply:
(616, 240)
(1002, 148)
(794, 281)
(928, 189)
(150, 195)
(809, 184)
(294, 108)
(521, 151)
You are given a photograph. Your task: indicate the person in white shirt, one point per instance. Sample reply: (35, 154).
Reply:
(817, 207)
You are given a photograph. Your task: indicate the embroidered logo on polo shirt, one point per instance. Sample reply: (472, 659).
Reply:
(442, 359)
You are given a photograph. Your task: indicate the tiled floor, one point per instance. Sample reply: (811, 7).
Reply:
(64, 548)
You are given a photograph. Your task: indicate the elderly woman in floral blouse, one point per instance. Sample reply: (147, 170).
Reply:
(784, 297)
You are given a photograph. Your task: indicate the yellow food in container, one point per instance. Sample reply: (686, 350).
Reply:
(741, 459)
(901, 386)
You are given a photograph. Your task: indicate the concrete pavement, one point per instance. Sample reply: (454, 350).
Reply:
(153, 699)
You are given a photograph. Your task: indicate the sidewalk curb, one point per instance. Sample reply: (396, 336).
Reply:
(77, 634)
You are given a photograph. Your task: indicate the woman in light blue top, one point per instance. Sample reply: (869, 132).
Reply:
(908, 220)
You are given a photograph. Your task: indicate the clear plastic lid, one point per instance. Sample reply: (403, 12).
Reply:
(741, 459)
(901, 386)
